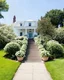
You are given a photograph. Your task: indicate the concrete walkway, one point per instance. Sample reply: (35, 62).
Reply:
(34, 55)
(33, 68)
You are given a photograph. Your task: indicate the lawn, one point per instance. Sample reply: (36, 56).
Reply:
(56, 69)
(7, 67)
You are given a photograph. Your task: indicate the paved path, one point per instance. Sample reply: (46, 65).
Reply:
(33, 68)
(34, 55)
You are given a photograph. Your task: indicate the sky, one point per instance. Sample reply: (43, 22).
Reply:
(29, 9)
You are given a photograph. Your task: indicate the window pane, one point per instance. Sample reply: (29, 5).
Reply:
(29, 24)
(20, 33)
(20, 24)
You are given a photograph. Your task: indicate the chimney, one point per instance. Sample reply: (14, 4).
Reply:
(14, 19)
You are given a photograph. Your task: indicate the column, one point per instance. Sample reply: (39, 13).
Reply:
(34, 33)
(25, 31)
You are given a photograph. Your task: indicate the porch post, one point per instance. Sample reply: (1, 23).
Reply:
(25, 31)
(34, 33)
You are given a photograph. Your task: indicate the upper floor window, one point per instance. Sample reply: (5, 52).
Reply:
(20, 33)
(20, 24)
(29, 24)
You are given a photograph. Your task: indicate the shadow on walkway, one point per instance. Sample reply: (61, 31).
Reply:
(32, 53)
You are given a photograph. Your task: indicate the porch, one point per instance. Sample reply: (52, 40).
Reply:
(30, 33)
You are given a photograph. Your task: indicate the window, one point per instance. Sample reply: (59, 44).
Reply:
(20, 24)
(29, 24)
(20, 33)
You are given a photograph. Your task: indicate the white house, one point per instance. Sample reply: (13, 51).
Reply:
(25, 28)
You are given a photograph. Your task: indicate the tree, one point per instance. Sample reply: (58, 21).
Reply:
(45, 27)
(56, 16)
(6, 35)
(3, 7)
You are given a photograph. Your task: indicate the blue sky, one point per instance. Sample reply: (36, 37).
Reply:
(29, 9)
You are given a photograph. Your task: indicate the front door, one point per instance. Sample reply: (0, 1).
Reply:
(30, 35)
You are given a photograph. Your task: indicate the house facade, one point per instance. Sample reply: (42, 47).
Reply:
(25, 28)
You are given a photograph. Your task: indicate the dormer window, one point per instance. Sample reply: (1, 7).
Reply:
(29, 24)
(20, 24)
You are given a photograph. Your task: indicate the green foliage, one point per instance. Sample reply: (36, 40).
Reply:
(42, 40)
(45, 53)
(45, 27)
(6, 35)
(45, 38)
(21, 38)
(41, 49)
(3, 7)
(3, 41)
(18, 41)
(40, 46)
(37, 40)
(20, 54)
(59, 36)
(22, 51)
(56, 16)
(24, 39)
(24, 42)
(23, 48)
(11, 48)
(55, 48)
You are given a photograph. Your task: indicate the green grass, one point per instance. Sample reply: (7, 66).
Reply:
(7, 67)
(56, 69)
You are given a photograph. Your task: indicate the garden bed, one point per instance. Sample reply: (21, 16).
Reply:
(16, 49)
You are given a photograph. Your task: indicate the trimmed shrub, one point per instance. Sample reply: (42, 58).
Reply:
(19, 42)
(21, 38)
(25, 42)
(24, 39)
(37, 40)
(45, 53)
(45, 38)
(11, 48)
(59, 35)
(55, 48)
(23, 48)
(40, 46)
(42, 39)
(20, 54)
(42, 49)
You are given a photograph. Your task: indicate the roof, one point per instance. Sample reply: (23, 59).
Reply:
(30, 20)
